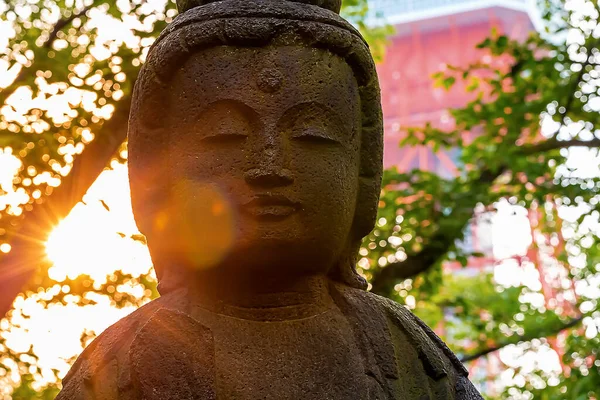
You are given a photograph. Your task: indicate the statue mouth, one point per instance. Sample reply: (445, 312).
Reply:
(270, 206)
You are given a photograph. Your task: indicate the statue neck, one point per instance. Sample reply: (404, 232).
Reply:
(267, 299)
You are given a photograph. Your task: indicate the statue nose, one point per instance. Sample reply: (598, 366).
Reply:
(269, 168)
(269, 177)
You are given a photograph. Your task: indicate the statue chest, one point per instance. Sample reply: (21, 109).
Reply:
(316, 358)
(207, 356)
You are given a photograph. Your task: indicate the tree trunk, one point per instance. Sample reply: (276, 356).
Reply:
(28, 244)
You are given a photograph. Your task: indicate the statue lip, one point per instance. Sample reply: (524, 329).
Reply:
(270, 206)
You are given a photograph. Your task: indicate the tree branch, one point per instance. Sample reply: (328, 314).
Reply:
(579, 77)
(554, 144)
(523, 338)
(60, 24)
(63, 23)
(28, 245)
(440, 243)
(384, 279)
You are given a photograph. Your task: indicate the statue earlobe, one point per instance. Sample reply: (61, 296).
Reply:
(364, 221)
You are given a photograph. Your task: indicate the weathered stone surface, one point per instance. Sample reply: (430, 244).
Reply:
(255, 164)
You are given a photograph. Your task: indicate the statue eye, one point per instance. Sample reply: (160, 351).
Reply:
(314, 135)
(224, 138)
(225, 122)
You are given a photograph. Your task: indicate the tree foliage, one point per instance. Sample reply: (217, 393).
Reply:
(535, 111)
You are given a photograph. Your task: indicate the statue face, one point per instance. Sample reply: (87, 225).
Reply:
(263, 161)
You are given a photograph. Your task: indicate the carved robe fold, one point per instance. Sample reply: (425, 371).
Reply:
(173, 349)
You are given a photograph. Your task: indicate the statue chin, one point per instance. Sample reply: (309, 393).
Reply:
(277, 253)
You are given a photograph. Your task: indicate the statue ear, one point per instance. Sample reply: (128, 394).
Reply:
(147, 141)
(148, 188)
(366, 206)
(365, 214)
(371, 160)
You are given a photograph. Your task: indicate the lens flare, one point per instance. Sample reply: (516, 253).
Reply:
(204, 220)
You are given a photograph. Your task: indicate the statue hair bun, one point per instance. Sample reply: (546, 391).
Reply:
(332, 5)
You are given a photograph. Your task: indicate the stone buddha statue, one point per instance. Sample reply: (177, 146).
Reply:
(255, 144)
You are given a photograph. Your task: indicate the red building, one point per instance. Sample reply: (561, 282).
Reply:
(429, 34)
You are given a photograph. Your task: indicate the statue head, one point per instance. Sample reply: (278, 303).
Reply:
(255, 142)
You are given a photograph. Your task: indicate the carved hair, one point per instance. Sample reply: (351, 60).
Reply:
(332, 5)
(256, 23)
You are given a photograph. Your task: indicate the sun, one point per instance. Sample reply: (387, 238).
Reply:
(95, 239)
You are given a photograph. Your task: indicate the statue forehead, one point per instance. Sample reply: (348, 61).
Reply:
(273, 75)
(294, 58)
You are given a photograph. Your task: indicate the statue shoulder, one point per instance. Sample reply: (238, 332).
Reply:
(105, 359)
(402, 315)
(428, 344)
(433, 352)
(373, 315)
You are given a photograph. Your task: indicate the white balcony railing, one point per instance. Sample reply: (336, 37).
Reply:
(396, 11)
